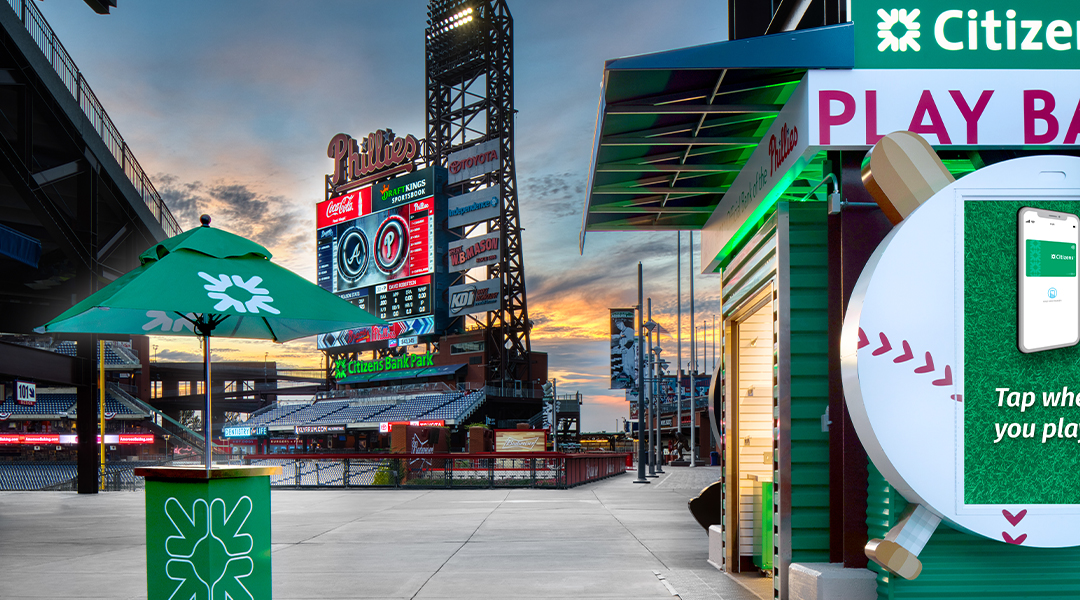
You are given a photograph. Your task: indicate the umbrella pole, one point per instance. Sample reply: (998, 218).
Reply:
(207, 444)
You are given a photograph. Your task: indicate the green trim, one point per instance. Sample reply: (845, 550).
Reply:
(768, 204)
(808, 323)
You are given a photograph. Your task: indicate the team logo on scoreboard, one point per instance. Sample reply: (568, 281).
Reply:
(353, 254)
(391, 244)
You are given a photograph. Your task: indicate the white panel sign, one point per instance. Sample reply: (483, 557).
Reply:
(25, 393)
(475, 297)
(473, 161)
(480, 205)
(854, 109)
(475, 252)
(905, 373)
(780, 156)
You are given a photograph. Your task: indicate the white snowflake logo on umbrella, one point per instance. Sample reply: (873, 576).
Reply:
(207, 532)
(889, 39)
(217, 287)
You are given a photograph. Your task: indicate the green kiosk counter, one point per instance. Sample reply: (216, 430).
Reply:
(208, 532)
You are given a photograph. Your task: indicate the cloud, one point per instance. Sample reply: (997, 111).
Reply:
(276, 222)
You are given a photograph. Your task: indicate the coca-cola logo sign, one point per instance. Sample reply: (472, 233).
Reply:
(381, 154)
(342, 208)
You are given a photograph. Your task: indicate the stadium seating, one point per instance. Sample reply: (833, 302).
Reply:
(455, 406)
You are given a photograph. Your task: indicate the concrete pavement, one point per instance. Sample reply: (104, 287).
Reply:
(611, 539)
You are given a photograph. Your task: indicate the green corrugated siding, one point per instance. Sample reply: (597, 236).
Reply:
(809, 382)
(959, 566)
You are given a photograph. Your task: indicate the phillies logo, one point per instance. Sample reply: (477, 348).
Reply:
(779, 150)
(391, 244)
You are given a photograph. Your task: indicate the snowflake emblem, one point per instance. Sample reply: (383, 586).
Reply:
(217, 287)
(209, 557)
(889, 39)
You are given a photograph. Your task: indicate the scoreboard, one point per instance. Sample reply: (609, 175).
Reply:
(376, 247)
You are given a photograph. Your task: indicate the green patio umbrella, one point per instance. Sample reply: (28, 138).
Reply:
(208, 282)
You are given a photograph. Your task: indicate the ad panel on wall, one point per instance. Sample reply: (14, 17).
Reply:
(479, 251)
(473, 207)
(624, 349)
(378, 336)
(475, 297)
(473, 161)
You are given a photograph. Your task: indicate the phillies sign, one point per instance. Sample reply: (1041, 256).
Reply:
(380, 154)
(343, 208)
(781, 145)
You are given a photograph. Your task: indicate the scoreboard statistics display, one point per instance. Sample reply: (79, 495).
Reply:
(375, 247)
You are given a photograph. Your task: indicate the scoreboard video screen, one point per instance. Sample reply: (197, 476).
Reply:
(376, 247)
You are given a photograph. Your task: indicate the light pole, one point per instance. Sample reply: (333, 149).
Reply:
(678, 336)
(650, 380)
(155, 352)
(658, 397)
(640, 385)
(693, 353)
(166, 436)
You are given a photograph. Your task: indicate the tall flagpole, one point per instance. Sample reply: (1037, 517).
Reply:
(640, 384)
(693, 366)
(678, 335)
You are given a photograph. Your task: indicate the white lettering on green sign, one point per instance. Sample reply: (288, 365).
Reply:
(1000, 34)
(345, 368)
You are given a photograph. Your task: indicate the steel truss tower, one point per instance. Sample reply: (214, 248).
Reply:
(470, 100)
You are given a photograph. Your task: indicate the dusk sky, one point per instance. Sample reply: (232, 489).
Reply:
(229, 106)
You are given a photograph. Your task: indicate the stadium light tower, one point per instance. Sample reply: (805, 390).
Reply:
(470, 101)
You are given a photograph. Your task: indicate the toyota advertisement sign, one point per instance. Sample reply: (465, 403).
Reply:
(480, 296)
(473, 161)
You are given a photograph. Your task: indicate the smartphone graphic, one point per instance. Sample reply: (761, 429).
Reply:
(1049, 315)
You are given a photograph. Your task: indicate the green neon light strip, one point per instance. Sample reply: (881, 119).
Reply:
(754, 220)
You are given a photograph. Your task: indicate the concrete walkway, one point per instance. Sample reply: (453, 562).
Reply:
(611, 539)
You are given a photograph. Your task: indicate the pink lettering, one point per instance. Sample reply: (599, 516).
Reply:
(927, 108)
(1074, 127)
(872, 136)
(826, 118)
(1032, 114)
(971, 115)
(779, 150)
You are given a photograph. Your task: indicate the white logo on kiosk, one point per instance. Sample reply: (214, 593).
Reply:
(888, 22)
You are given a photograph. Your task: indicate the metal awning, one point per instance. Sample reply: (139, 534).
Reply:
(443, 370)
(402, 374)
(675, 128)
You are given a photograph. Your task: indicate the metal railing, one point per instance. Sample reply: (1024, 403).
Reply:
(502, 470)
(72, 78)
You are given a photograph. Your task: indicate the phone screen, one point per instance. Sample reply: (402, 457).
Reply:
(1049, 309)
